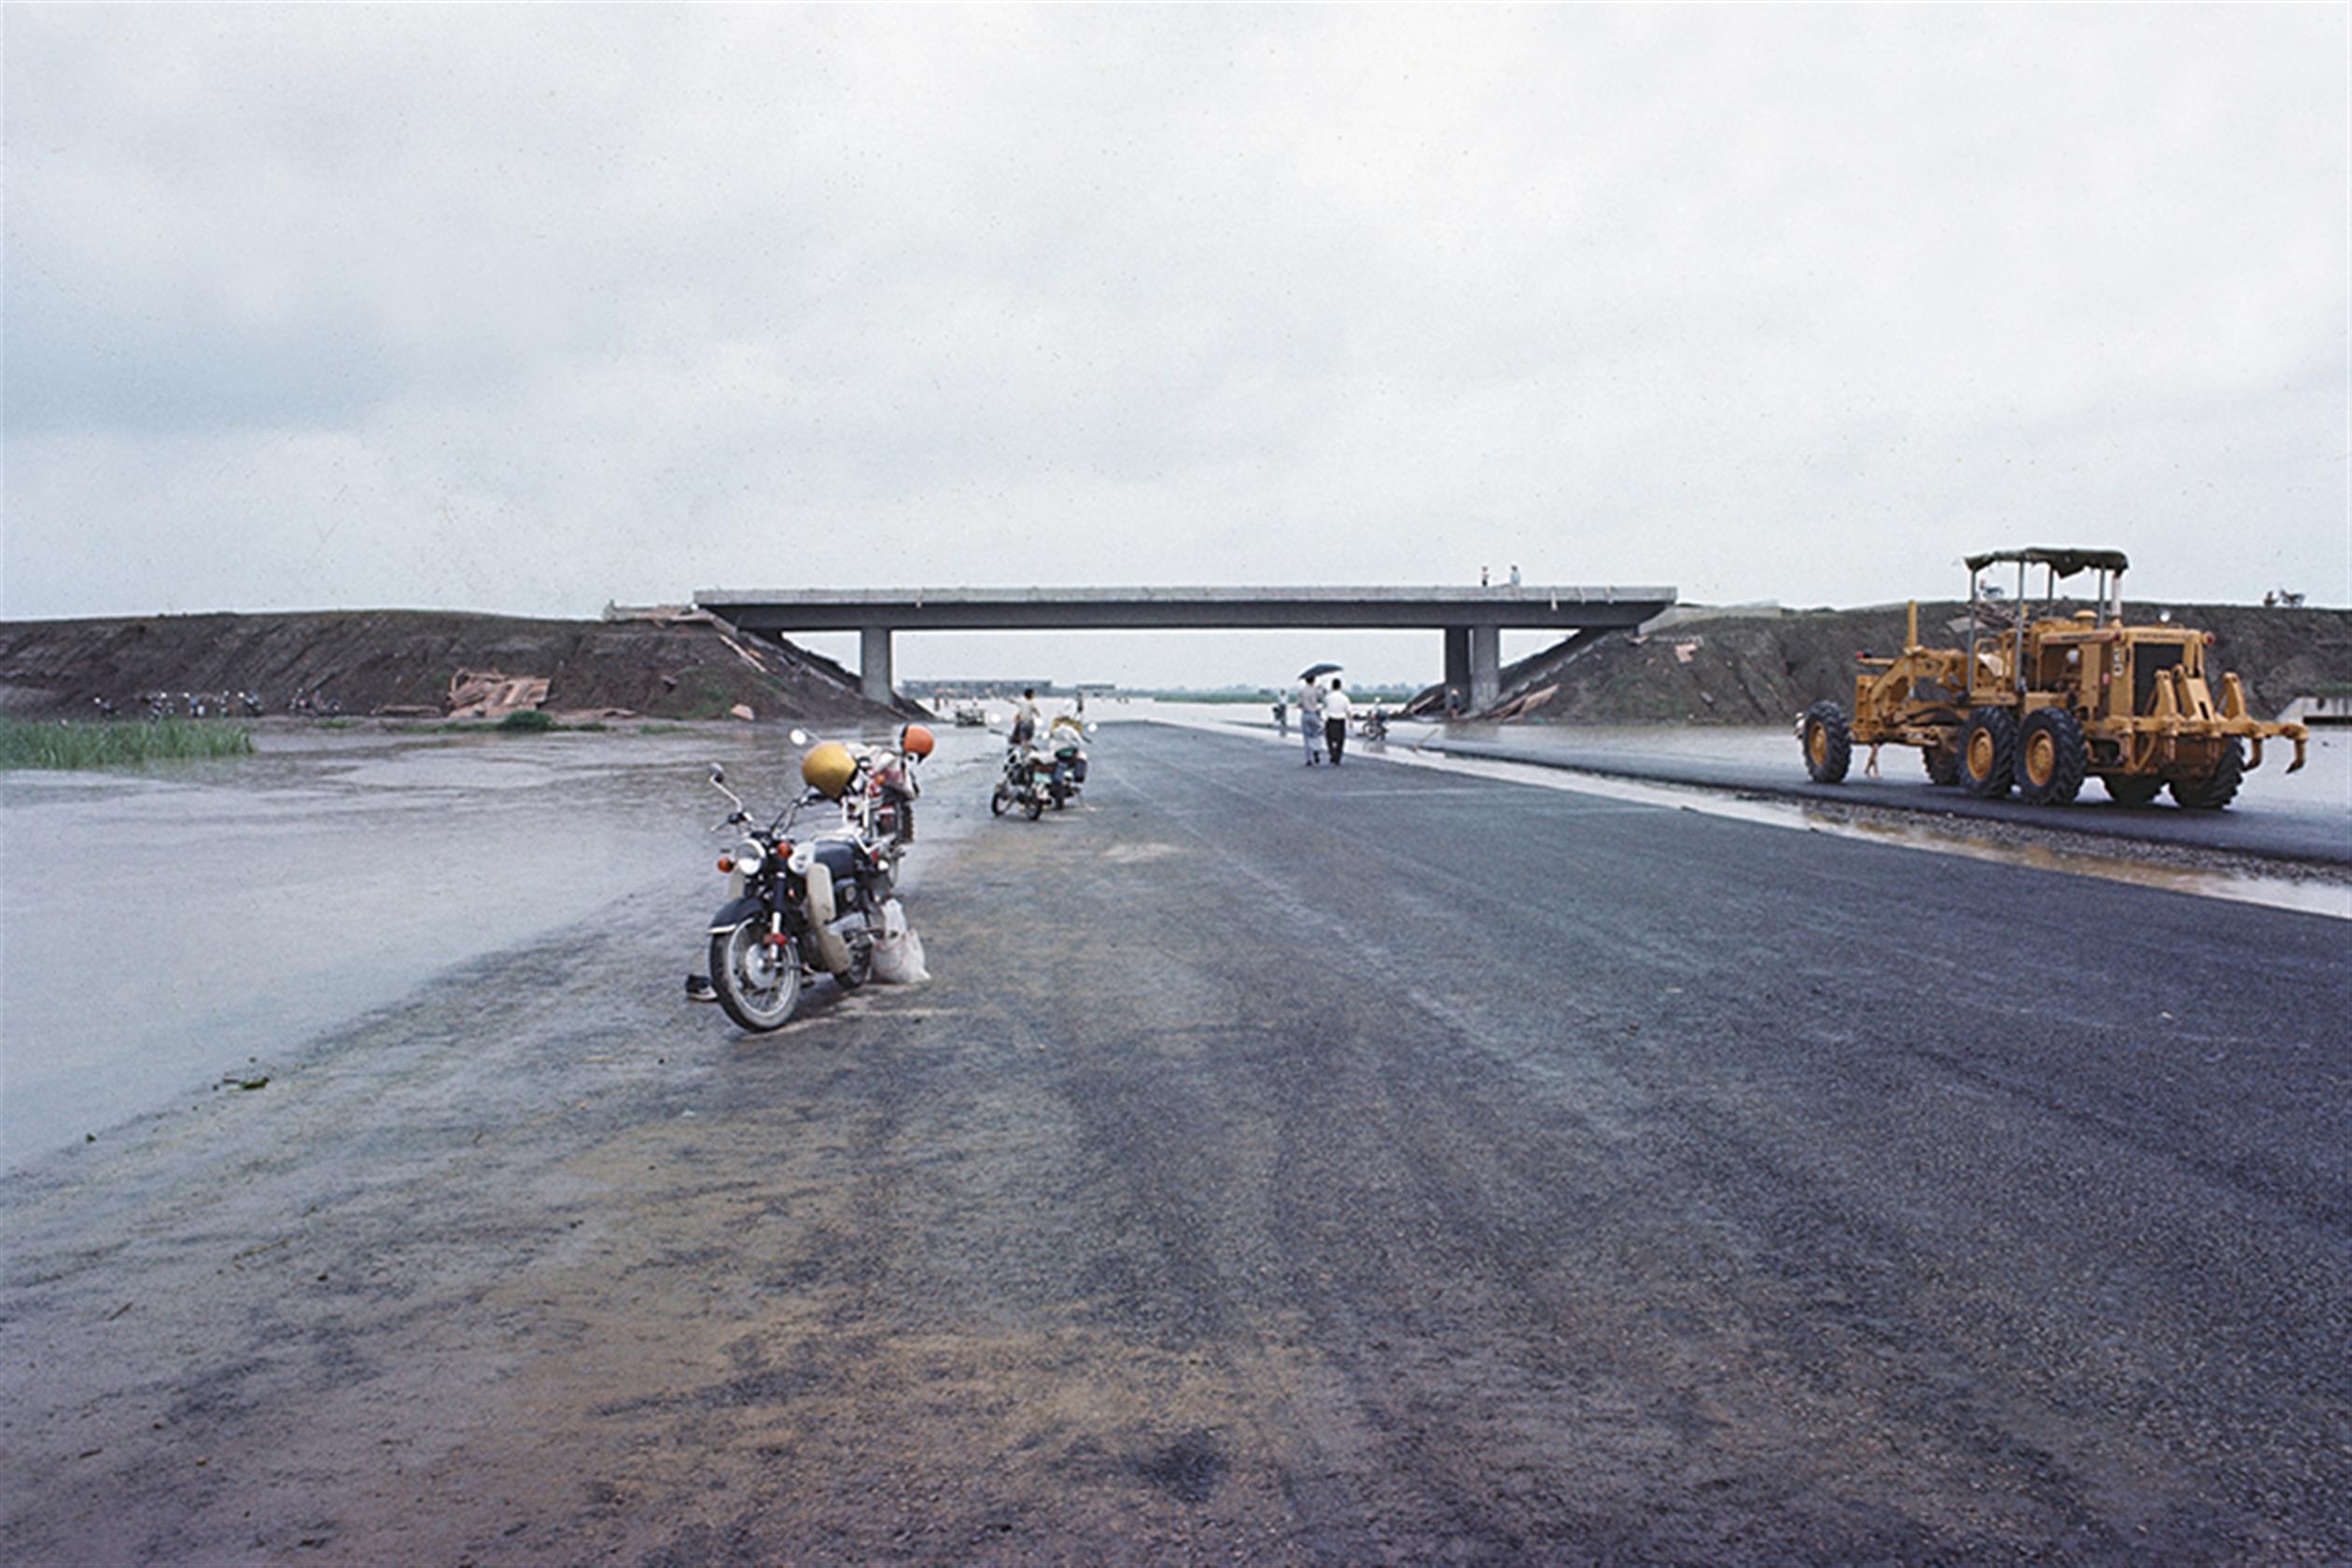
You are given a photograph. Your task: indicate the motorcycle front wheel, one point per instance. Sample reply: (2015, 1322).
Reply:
(1000, 801)
(758, 985)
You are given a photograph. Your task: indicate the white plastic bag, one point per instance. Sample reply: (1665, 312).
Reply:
(898, 953)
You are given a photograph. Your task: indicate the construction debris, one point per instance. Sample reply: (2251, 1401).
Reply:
(490, 695)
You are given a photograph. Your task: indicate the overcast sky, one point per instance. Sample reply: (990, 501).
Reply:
(528, 309)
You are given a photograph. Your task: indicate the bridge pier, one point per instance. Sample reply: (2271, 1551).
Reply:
(873, 664)
(1474, 665)
(1486, 668)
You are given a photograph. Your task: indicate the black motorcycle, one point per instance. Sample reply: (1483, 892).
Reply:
(796, 907)
(1069, 770)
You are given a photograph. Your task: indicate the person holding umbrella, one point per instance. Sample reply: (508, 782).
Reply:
(1311, 700)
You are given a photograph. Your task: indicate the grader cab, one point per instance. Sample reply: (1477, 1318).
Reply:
(2039, 703)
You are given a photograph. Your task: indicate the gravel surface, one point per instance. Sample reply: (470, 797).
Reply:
(1369, 1165)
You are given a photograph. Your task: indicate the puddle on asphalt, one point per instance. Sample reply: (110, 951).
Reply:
(1124, 854)
(2314, 897)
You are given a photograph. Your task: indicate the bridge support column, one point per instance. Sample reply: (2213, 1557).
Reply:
(873, 664)
(1458, 664)
(1486, 668)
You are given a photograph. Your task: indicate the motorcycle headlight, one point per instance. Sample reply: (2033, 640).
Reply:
(747, 859)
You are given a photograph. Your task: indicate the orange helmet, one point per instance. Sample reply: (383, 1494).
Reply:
(915, 741)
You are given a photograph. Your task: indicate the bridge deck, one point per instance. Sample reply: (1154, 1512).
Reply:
(911, 610)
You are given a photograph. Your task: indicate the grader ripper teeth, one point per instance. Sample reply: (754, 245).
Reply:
(2038, 704)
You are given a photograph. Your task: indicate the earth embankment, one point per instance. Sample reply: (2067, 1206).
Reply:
(1744, 668)
(412, 663)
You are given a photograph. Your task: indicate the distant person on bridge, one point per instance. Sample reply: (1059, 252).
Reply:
(1310, 720)
(1335, 710)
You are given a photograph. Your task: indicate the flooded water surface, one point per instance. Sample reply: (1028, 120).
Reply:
(159, 932)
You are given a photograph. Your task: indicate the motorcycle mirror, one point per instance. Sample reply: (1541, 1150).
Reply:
(717, 773)
(798, 736)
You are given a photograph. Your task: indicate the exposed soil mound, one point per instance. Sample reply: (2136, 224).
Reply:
(419, 662)
(1752, 670)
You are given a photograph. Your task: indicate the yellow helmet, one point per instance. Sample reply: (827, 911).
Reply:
(827, 768)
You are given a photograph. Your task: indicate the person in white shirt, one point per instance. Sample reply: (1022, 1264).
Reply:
(1335, 710)
(1310, 720)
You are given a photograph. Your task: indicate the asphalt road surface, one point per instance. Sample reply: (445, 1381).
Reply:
(2307, 825)
(1370, 1165)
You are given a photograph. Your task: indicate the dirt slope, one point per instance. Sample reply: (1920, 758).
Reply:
(1749, 670)
(365, 661)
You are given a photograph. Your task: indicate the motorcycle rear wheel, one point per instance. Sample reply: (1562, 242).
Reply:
(1035, 808)
(758, 986)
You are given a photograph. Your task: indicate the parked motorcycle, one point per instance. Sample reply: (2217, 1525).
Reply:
(882, 806)
(797, 905)
(1023, 784)
(1065, 743)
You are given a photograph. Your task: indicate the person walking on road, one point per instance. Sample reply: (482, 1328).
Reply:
(1335, 710)
(1310, 720)
(1025, 717)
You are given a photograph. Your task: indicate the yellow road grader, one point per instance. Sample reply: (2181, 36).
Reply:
(2039, 703)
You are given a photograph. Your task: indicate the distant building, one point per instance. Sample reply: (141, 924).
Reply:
(955, 691)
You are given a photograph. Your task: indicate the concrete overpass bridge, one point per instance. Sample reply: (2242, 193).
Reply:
(1472, 618)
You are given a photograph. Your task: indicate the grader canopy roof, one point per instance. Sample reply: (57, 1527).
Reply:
(2066, 563)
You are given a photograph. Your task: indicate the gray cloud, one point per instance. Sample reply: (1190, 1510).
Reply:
(528, 308)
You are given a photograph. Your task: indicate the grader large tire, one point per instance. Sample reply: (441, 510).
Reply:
(2052, 757)
(2132, 789)
(1943, 764)
(1828, 743)
(2216, 788)
(1988, 752)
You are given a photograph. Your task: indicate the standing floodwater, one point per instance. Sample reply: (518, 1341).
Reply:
(159, 931)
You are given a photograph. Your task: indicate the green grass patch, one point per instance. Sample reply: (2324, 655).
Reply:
(528, 720)
(28, 742)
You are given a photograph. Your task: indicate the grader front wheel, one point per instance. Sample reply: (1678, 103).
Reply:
(2216, 788)
(1828, 743)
